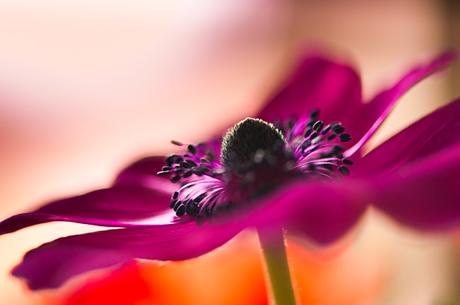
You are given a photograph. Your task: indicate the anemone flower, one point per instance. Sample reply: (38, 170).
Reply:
(298, 167)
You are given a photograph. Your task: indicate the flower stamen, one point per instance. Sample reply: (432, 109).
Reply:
(317, 147)
(256, 157)
(199, 160)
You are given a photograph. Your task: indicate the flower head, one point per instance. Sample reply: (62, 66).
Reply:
(256, 158)
(299, 164)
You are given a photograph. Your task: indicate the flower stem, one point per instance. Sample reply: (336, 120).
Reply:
(274, 251)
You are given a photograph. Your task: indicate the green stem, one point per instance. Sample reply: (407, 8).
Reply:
(274, 251)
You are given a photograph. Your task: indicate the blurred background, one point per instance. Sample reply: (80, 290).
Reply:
(88, 86)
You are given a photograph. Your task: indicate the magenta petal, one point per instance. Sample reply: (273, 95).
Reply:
(117, 206)
(319, 83)
(425, 195)
(322, 212)
(364, 123)
(52, 264)
(144, 173)
(431, 134)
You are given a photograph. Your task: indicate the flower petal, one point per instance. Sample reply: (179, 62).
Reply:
(364, 123)
(52, 264)
(332, 87)
(143, 173)
(424, 195)
(117, 206)
(322, 212)
(431, 134)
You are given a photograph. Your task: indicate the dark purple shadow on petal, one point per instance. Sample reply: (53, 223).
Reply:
(116, 207)
(424, 195)
(319, 83)
(430, 135)
(52, 264)
(364, 123)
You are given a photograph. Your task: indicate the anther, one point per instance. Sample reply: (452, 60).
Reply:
(318, 125)
(345, 137)
(200, 197)
(308, 132)
(173, 159)
(344, 171)
(177, 204)
(314, 114)
(187, 174)
(191, 163)
(191, 149)
(180, 210)
(338, 128)
(326, 129)
(200, 170)
(185, 164)
(175, 195)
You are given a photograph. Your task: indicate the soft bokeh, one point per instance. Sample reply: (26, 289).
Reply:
(86, 87)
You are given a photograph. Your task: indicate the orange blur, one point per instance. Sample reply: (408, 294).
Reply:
(234, 274)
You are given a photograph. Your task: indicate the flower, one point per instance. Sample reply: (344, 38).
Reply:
(293, 166)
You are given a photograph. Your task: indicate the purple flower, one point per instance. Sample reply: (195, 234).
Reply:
(300, 165)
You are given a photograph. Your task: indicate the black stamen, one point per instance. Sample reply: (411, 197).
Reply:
(173, 159)
(177, 204)
(326, 129)
(200, 170)
(344, 171)
(318, 125)
(345, 137)
(200, 197)
(187, 174)
(175, 195)
(180, 210)
(174, 179)
(185, 164)
(191, 149)
(338, 128)
(314, 114)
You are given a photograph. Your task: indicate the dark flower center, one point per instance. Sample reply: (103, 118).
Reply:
(256, 158)
(248, 139)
